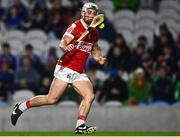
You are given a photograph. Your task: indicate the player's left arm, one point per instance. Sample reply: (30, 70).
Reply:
(97, 55)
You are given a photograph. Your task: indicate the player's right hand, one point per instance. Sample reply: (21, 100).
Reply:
(69, 47)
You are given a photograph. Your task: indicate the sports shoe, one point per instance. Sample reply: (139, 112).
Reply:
(83, 129)
(15, 114)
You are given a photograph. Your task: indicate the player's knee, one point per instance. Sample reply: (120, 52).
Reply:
(52, 101)
(93, 97)
(90, 97)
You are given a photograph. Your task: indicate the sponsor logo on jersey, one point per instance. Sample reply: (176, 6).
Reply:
(85, 46)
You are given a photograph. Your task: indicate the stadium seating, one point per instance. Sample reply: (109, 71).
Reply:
(3, 28)
(36, 35)
(6, 3)
(128, 35)
(113, 104)
(172, 25)
(66, 3)
(95, 104)
(109, 14)
(14, 35)
(146, 4)
(168, 13)
(101, 75)
(146, 14)
(105, 4)
(16, 46)
(145, 23)
(22, 95)
(67, 103)
(146, 32)
(38, 45)
(1, 38)
(26, 3)
(167, 4)
(55, 44)
(124, 14)
(124, 24)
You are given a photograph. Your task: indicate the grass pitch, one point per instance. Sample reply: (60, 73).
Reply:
(94, 134)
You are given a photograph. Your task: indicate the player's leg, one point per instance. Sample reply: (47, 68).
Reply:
(85, 89)
(56, 90)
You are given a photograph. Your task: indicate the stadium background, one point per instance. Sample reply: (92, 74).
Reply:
(141, 41)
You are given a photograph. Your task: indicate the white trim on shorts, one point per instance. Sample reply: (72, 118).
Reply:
(68, 75)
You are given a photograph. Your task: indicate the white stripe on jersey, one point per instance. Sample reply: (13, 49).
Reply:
(69, 30)
(69, 34)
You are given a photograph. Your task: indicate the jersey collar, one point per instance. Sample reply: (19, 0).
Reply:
(84, 24)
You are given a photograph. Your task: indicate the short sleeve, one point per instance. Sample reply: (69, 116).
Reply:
(71, 31)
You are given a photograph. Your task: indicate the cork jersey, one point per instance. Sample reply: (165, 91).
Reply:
(76, 59)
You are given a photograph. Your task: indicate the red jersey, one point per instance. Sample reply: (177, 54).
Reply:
(77, 57)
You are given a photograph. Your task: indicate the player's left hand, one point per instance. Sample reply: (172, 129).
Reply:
(102, 60)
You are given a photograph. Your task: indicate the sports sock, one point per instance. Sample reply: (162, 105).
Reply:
(24, 106)
(80, 120)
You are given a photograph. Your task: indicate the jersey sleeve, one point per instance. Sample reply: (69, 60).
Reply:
(71, 31)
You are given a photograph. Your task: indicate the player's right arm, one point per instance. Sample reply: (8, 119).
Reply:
(65, 43)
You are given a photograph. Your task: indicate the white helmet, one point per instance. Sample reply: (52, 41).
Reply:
(89, 5)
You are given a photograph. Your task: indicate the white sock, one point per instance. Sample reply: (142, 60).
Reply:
(23, 106)
(79, 122)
